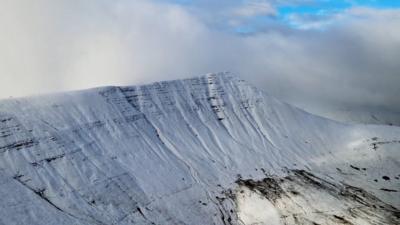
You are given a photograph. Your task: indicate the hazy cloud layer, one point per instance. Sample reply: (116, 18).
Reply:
(351, 58)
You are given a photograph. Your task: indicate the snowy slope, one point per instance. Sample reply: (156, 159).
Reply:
(182, 152)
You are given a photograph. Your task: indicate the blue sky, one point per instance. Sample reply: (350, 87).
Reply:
(216, 13)
(305, 6)
(334, 6)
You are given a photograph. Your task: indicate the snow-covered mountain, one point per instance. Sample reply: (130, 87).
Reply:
(207, 150)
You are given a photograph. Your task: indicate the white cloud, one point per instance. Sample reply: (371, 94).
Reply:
(254, 8)
(51, 45)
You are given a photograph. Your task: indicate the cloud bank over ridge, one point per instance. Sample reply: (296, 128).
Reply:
(343, 59)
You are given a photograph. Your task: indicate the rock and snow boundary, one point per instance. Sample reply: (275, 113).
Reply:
(206, 150)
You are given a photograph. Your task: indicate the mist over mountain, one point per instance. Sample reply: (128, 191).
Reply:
(335, 58)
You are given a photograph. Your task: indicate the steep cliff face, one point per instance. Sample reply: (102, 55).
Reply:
(177, 152)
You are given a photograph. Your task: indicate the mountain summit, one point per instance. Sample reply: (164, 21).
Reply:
(207, 150)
